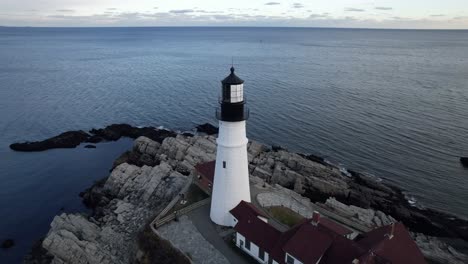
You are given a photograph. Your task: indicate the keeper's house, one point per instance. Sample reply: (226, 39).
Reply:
(320, 241)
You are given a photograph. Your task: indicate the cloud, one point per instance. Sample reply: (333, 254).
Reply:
(182, 11)
(437, 15)
(298, 5)
(239, 17)
(384, 8)
(223, 17)
(65, 10)
(315, 16)
(207, 12)
(350, 9)
(272, 3)
(111, 8)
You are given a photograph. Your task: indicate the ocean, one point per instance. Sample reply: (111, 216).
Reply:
(390, 103)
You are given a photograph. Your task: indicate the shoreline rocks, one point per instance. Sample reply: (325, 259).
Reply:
(72, 139)
(69, 139)
(319, 181)
(147, 177)
(208, 129)
(123, 204)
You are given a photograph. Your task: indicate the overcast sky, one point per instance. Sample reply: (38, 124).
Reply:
(452, 14)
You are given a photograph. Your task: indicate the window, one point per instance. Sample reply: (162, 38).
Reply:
(247, 244)
(224, 164)
(289, 259)
(237, 93)
(261, 254)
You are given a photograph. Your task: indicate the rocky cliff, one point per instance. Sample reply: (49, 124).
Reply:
(146, 178)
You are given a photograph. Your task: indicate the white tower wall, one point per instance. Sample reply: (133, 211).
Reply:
(231, 180)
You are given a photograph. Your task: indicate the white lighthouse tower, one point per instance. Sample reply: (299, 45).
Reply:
(231, 179)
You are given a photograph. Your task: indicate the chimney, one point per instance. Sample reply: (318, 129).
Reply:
(315, 218)
(392, 230)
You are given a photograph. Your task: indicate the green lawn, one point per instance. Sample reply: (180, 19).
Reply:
(285, 215)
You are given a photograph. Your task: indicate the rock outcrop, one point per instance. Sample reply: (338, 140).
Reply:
(367, 217)
(207, 128)
(124, 203)
(321, 180)
(114, 132)
(437, 251)
(128, 199)
(69, 139)
(146, 178)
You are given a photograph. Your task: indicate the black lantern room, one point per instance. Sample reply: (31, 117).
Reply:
(232, 99)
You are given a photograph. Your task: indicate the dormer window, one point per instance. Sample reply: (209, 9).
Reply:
(237, 93)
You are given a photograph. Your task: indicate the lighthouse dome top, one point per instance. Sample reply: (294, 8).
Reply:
(232, 78)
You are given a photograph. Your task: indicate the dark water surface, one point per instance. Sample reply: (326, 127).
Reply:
(391, 103)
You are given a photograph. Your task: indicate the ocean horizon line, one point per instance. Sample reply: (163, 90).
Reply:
(233, 27)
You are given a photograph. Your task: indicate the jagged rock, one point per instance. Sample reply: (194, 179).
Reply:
(69, 139)
(298, 186)
(437, 251)
(129, 198)
(72, 239)
(144, 153)
(116, 131)
(146, 145)
(113, 132)
(149, 176)
(261, 173)
(207, 128)
(368, 217)
(254, 148)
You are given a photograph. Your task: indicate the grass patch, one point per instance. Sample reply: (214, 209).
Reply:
(285, 215)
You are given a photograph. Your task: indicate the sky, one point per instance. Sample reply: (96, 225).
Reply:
(419, 14)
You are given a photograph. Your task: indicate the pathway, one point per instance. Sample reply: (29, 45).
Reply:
(212, 233)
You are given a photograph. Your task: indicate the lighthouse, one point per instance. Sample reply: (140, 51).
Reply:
(231, 178)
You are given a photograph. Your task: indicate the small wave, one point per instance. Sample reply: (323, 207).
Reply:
(412, 201)
(344, 171)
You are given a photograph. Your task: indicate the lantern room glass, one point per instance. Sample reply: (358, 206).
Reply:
(237, 93)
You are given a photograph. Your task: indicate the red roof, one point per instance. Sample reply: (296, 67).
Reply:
(325, 242)
(342, 250)
(400, 248)
(254, 229)
(278, 252)
(334, 227)
(308, 244)
(246, 209)
(207, 170)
